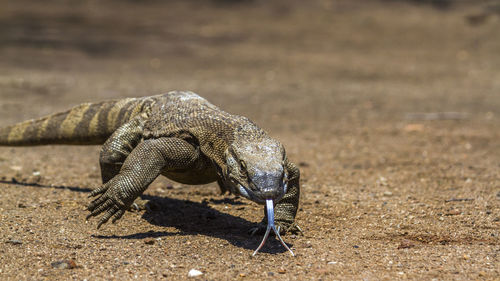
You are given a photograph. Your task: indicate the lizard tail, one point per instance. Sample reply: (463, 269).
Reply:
(85, 124)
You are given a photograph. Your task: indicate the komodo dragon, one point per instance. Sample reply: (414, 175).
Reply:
(179, 135)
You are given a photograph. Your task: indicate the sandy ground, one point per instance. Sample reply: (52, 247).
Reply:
(386, 194)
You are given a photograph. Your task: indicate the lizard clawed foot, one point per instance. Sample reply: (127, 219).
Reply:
(107, 203)
(283, 228)
(100, 190)
(106, 206)
(294, 228)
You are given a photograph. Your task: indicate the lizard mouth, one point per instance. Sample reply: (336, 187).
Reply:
(249, 194)
(270, 225)
(260, 197)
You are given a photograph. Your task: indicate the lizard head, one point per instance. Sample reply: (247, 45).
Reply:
(256, 170)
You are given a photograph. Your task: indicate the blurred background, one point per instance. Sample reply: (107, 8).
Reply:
(306, 63)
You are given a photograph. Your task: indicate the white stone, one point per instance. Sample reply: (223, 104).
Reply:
(193, 273)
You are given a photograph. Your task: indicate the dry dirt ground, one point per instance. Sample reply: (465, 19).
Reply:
(386, 194)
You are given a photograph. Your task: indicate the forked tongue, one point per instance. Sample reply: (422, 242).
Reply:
(270, 225)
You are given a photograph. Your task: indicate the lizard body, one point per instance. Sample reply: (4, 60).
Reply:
(179, 135)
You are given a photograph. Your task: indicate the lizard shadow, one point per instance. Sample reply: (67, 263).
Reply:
(34, 184)
(193, 218)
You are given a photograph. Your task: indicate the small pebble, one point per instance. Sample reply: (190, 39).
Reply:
(149, 241)
(321, 270)
(281, 271)
(303, 164)
(64, 264)
(453, 212)
(405, 244)
(332, 262)
(14, 242)
(193, 273)
(382, 181)
(16, 168)
(387, 193)
(410, 128)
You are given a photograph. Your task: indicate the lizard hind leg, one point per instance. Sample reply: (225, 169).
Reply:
(117, 148)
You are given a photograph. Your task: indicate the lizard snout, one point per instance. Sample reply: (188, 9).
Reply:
(270, 194)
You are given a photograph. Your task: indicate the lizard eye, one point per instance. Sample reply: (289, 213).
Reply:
(243, 166)
(244, 171)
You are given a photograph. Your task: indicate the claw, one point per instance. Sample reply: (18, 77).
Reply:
(117, 216)
(97, 191)
(112, 211)
(101, 208)
(299, 229)
(94, 204)
(270, 225)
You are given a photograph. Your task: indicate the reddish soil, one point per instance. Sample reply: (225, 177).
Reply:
(386, 194)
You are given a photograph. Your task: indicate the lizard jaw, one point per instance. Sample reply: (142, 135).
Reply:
(247, 194)
(243, 191)
(270, 225)
(261, 199)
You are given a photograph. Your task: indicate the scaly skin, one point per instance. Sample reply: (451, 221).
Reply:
(179, 135)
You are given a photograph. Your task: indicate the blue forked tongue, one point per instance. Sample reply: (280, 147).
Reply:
(270, 225)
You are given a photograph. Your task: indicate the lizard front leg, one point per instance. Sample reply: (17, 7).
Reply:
(144, 164)
(286, 208)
